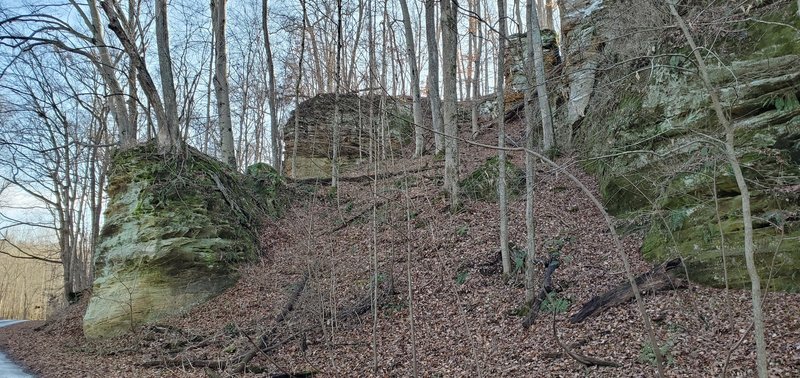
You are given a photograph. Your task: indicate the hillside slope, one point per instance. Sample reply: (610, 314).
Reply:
(319, 258)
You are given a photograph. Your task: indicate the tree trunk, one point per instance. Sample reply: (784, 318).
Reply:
(501, 138)
(274, 129)
(221, 88)
(168, 133)
(449, 48)
(419, 137)
(126, 129)
(433, 76)
(133, 91)
(336, 111)
(146, 81)
(530, 168)
(536, 55)
(476, 69)
(350, 78)
(730, 153)
(297, 90)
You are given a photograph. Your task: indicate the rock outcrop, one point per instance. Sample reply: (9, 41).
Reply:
(516, 81)
(175, 229)
(388, 132)
(655, 141)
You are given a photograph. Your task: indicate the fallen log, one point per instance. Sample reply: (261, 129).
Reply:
(660, 278)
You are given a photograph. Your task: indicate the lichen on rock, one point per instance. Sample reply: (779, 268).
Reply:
(176, 227)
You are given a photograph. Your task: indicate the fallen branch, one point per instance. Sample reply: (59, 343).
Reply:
(181, 362)
(660, 278)
(352, 219)
(588, 361)
(364, 305)
(287, 308)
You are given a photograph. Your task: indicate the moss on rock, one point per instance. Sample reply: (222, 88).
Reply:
(661, 153)
(481, 184)
(176, 226)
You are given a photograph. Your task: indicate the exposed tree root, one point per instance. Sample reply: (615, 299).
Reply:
(546, 288)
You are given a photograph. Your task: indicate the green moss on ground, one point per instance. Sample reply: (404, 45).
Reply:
(482, 183)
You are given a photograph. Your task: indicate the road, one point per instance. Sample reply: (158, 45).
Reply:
(7, 368)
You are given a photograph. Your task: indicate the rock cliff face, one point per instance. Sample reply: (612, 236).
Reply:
(175, 230)
(516, 82)
(357, 135)
(638, 107)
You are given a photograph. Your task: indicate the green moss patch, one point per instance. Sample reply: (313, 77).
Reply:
(482, 183)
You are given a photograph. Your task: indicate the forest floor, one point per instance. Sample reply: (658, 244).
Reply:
(443, 269)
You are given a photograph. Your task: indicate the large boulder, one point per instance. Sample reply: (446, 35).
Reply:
(175, 229)
(663, 172)
(315, 118)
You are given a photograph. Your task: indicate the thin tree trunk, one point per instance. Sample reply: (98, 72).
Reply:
(336, 111)
(318, 71)
(730, 153)
(530, 170)
(297, 90)
(476, 67)
(221, 88)
(433, 75)
(419, 137)
(384, 138)
(449, 46)
(133, 97)
(501, 139)
(371, 74)
(536, 55)
(353, 63)
(273, 101)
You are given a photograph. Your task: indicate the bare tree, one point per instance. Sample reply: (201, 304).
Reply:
(337, 116)
(433, 75)
(123, 117)
(536, 55)
(275, 135)
(747, 218)
(221, 88)
(476, 31)
(44, 152)
(168, 133)
(530, 163)
(449, 11)
(297, 89)
(419, 137)
(501, 138)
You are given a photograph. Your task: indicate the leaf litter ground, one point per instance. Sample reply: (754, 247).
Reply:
(465, 313)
